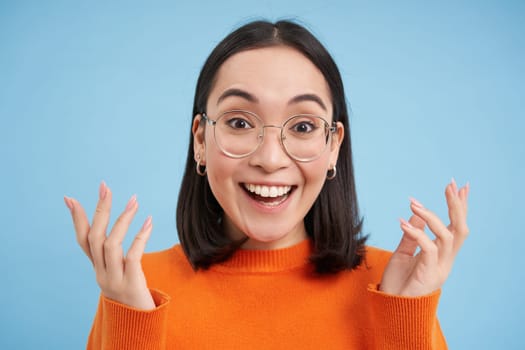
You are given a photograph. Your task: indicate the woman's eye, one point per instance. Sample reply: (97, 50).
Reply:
(239, 123)
(303, 127)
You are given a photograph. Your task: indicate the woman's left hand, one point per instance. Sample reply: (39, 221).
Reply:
(411, 274)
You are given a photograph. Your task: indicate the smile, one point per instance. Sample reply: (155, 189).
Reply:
(268, 191)
(268, 196)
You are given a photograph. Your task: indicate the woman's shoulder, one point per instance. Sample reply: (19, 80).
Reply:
(173, 253)
(376, 258)
(171, 261)
(370, 270)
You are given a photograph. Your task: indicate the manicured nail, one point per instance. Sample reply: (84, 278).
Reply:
(454, 186)
(131, 202)
(103, 190)
(147, 223)
(406, 223)
(416, 203)
(69, 203)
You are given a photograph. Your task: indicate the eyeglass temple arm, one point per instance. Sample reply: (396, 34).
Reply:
(207, 119)
(333, 128)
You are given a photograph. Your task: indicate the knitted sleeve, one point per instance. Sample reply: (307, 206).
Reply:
(119, 326)
(405, 322)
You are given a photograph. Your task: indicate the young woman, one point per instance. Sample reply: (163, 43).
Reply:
(271, 253)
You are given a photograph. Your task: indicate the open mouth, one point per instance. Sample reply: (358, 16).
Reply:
(270, 196)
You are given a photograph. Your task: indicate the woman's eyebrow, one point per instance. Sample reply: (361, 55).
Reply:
(239, 93)
(251, 98)
(308, 97)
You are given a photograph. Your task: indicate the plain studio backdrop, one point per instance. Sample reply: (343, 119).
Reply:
(93, 91)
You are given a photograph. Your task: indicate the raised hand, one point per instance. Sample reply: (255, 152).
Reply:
(411, 274)
(120, 278)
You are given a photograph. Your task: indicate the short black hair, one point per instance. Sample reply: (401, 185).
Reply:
(332, 223)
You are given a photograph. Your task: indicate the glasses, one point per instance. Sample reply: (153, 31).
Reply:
(239, 133)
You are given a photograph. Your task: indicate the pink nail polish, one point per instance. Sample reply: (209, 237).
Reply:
(406, 223)
(131, 202)
(454, 185)
(69, 203)
(147, 223)
(103, 190)
(416, 203)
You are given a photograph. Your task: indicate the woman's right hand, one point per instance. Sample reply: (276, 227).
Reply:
(120, 278)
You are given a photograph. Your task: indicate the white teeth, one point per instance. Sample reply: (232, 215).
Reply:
(268, 191)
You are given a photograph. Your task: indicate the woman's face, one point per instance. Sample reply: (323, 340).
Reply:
(270, 83)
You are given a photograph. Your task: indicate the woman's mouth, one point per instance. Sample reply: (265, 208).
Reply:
(270, 196)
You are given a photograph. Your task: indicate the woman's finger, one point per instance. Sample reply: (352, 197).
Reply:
(454, 204)
(417, 222)
(429, 250)
(408, 245)
(444, 238)
(81, 224)
(97, 234)
(113, 252)
(457, 211)
(463, 195)
(138, 246)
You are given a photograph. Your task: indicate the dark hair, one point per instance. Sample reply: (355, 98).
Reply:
(333, 222)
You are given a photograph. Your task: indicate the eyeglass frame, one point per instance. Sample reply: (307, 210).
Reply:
(330, 129)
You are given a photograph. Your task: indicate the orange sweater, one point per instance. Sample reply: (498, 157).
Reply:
(267, 300)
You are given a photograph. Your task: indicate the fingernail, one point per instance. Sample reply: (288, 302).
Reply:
(454, 186)
(467, 186)
(416, 203)
(131, 202)
(103, 190)
(147, 223)
(69, 203)
(406, 223)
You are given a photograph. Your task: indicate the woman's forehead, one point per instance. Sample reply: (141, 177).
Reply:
(276, 72)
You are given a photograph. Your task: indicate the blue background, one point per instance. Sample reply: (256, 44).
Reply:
(93, 91)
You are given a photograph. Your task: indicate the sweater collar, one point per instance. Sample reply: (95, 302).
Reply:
(266, 261)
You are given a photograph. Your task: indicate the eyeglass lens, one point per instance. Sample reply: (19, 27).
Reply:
(239, 133)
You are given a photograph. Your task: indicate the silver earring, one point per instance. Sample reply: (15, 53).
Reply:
(330, 174)
(199, 167)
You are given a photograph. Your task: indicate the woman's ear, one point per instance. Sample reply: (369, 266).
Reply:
(337, 140)
(199, 145)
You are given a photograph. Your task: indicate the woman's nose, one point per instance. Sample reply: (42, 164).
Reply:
(270, 154)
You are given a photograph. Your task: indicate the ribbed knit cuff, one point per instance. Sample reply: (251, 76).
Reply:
(125, 327)
(405, 322)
